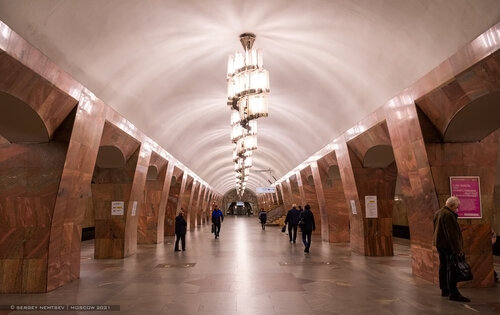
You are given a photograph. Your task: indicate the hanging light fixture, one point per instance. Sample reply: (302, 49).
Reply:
(247, 89)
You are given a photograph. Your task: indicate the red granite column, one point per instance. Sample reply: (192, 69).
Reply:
(173, 203)
(147, 227)
(74, 196)
(112, 192)
(279, 194)
(186, 198)
(309, 190)
(357, 232)
(160, 223)
(191, 217)
(199, 206)
(294, 187)
(287, 194)
(204, 206)
(34, 174)
(331, 197)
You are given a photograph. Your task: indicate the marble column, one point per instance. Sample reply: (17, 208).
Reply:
(331, 197)
(309, 196)
(173, 203)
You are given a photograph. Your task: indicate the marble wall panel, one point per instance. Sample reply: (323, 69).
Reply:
(28, 190)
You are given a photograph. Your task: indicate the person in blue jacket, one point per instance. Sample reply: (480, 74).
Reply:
(217, 218)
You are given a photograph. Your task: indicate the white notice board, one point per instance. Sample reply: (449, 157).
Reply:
(117, 207)
(371, 206)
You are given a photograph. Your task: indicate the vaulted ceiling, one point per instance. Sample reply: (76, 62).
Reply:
(162, 65)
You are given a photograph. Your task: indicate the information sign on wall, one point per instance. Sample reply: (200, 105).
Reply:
(134, 208)
(467, 189)
(117, 207)
(265, 190)
(371, 206)
(353, 207)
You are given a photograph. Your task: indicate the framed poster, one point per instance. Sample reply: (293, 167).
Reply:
(371, 206)
(117, 207)
(467, 189)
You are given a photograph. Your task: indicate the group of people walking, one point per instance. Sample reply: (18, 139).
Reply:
(303, 220)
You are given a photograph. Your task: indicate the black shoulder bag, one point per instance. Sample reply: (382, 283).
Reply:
(461, 268)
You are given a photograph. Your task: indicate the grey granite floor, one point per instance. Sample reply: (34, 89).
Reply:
(251, 271)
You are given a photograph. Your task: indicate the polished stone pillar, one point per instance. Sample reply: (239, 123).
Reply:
(331, 198)
(195, 191)
(147, 225)
(176, 187)
(295, 191)
(309, 196)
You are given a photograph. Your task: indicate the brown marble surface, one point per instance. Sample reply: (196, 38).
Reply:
(330, 192)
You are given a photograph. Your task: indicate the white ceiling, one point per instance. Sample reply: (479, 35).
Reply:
(162, 65)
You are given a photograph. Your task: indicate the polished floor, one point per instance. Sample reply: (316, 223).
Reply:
(251, 271)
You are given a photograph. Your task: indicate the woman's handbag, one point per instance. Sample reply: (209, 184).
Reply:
(213, 228)
(283, 229)
(461, 268)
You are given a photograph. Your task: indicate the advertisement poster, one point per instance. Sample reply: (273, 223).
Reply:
(371, 206)
(117, 207)
(467, 189)
(353, 207)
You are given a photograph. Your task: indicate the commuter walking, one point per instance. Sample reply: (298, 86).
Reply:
(217, 219)
(263, 218)
(292, 219)
(307, 226)
(448, 240)
(180, 231)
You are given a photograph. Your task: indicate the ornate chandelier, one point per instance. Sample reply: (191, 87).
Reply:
(247, 88)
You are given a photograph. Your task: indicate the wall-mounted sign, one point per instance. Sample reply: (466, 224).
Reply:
(265, 190)
(117, 207)
(353, 207)
(371, 206)
(467, 189)
(134, 208)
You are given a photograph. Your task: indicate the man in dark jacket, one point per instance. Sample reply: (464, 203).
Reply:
(180, 231)
(263, 218)
(217, 218)
(292, 219)
(307, 226)
(448, 241)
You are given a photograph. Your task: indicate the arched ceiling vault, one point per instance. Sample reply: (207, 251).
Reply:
(162, 65)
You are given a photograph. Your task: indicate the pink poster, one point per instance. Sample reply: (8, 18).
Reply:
(466, 188)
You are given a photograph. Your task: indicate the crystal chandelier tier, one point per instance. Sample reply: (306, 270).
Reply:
(247, 89)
